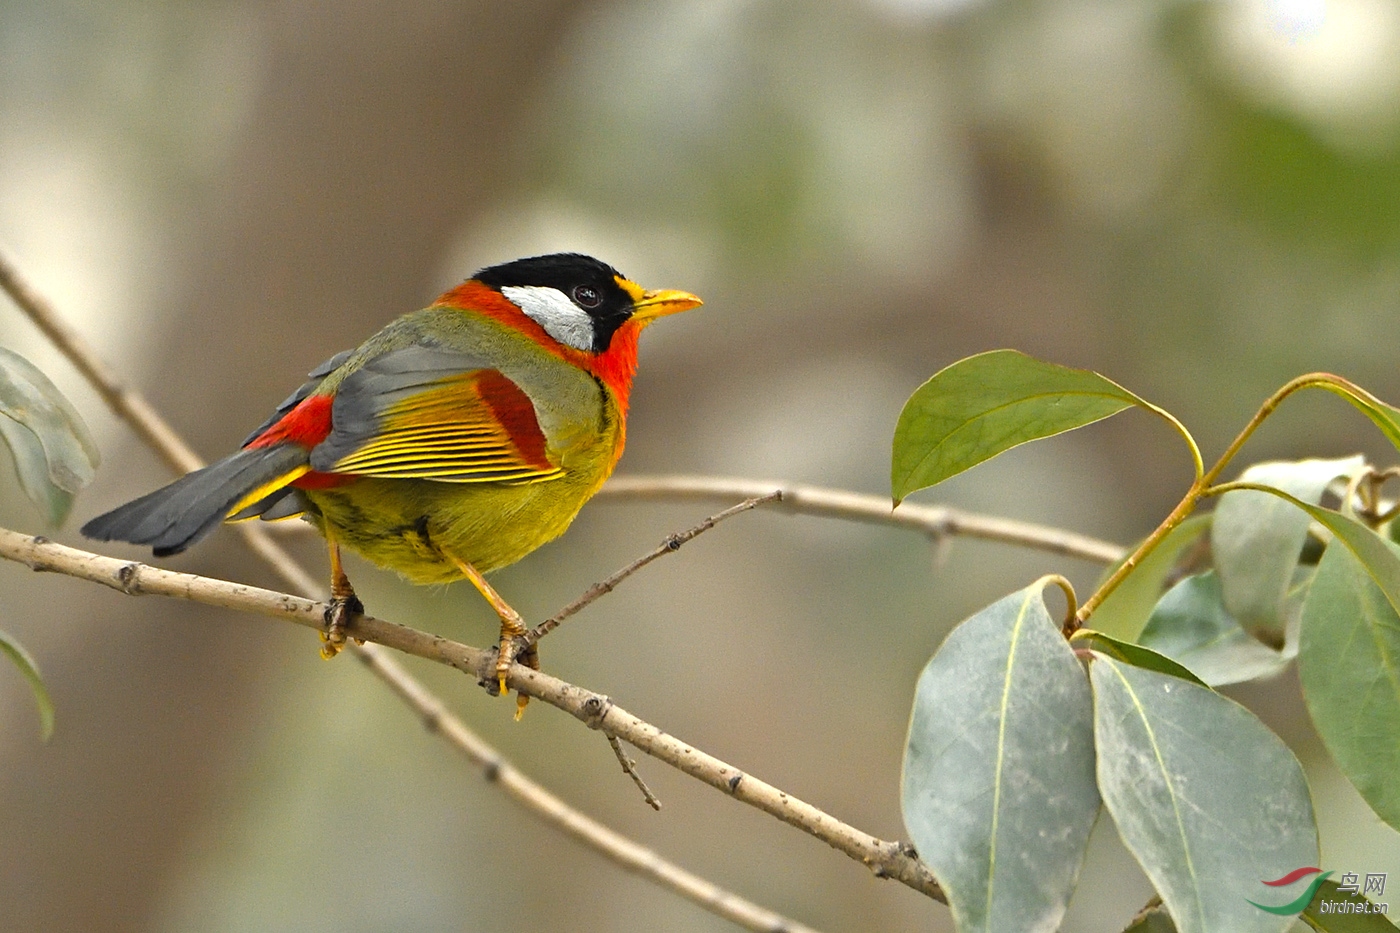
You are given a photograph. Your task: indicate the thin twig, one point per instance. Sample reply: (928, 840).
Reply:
(854, 506)
(131, 407)
(885, 859)
(629, 767)
(669, 546)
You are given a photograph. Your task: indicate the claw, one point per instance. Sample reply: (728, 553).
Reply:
(339, 614)
(343, 607)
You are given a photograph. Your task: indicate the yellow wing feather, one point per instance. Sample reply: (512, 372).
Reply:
(473, 428)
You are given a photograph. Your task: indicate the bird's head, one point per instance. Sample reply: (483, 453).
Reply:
(578, 301)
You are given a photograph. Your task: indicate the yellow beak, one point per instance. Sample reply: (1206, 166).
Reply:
(655, 304)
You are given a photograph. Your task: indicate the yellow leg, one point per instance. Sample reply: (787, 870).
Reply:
(512, 626)
(344, 604)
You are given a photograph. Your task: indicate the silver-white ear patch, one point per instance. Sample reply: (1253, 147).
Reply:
(550, 308)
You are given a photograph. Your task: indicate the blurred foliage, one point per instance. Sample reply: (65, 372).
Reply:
(54, 455)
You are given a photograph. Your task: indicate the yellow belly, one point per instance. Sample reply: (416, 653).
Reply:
(417, 527)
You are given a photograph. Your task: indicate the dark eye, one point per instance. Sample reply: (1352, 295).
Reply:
(587, 296)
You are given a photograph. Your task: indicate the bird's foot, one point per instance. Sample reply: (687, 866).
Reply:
(510, 650)
(513, 648)
(340, 613)
(512, 628)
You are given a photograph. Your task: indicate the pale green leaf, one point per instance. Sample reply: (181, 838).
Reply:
(998, 785)
(1256, 537)
(1170, 759)
(1192, 625)
(1380, 559)
(1349, 663)
(54, 454)
(1127, 609)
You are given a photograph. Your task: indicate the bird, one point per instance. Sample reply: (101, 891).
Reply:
(453, 442)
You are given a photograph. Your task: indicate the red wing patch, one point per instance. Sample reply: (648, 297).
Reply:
(515, 413)
(308, 424)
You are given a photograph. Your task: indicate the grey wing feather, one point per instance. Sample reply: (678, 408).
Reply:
(378, 384)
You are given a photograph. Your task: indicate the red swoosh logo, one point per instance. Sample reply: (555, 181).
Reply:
(1292, 876)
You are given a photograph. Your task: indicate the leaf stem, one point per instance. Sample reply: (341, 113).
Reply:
(1071, 601)
(1204, 484)
(1197, 463)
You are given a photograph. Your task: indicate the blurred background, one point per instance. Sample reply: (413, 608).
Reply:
(1200, 200)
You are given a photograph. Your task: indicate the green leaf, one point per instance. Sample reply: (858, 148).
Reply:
(1192, 625)
(1329, 899)
(998, 786)
(1129, 653)
(1256, 537)
(1127, 609)
(1349, 663)
(1172, 757)
(1386, 417)
(1380, 559)
(54, 454)
(986, 404)
(16, 653)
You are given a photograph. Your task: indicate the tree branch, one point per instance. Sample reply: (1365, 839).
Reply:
(885, 859)
(938, 521)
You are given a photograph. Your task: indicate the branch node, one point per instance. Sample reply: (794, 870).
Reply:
(491, 770)
(432, 719)
(733, 783)
(126, 576)
(594, 710)
(942, 541)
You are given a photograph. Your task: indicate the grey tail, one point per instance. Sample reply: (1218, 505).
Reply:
(176, 516)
